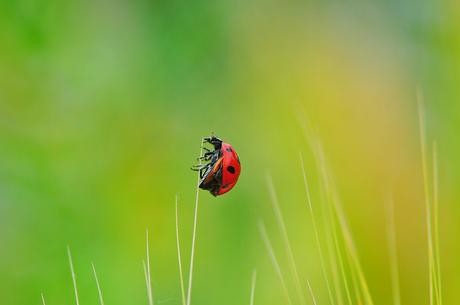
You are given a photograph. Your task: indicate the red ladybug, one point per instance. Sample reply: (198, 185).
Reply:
(221, 169)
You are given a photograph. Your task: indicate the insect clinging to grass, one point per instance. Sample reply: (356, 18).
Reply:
(221, 169)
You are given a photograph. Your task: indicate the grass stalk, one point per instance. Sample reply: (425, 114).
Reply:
(436, 219)
(391, 237)
(179, 259)
(428, 208)
(333, 261)
(336, 245)
(341, 264)
(344, 228)
(312, 295)
(148, 277)
(274, 260)
(43, 299)
(99, 290)
(287, 244)
(253, 287)
(316, 232)
(195, 221)
(355, 282)
(74, 280)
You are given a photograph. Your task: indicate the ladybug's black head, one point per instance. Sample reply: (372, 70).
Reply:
(216, 142)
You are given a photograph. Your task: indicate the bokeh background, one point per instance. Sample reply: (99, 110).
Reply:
(103, 105)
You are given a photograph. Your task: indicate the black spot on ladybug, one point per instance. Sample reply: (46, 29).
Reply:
(228, 149)
(231, 169)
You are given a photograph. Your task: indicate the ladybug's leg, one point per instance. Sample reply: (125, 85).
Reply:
(207, 156)
(202, 172)
(199, 167)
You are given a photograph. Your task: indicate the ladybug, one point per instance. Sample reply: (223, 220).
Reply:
(221, 169)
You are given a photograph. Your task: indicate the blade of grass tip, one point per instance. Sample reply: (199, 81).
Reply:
(287, 244)
(317, 149)
(43, 299)
(316, 232)
(436, 218)
(336, 246)
(195, 221)
(276, 265)
(312, 295)
(328, 229)
(344, 228)
(148, 277)
(355, 281)
(73, 276)
(391, 237)
(99, 290)
(427, 192)
(352, 252)
(179, 259)
(147, 285)
(253, 286)
(311, 139)
(341, 263)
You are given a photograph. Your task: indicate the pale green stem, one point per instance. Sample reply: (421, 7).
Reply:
(274, 260)
(74, 280)
(287, 244)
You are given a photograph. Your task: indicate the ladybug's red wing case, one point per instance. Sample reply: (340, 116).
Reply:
(231, 168)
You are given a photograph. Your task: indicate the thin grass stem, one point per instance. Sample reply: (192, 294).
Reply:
(344, 228)
(74, 281)
(312, 295)
(391, 237)
(43, 299)
(148, 276)
(253, 287)
(99, 290)
(274, 260)
(355, 282)
(287, 244)
(179, 259)
(316, 232)
(333, 261)
(436, 219)
(195, 221)
(428, 208)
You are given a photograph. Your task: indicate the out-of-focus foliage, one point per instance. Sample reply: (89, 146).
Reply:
(103, 104)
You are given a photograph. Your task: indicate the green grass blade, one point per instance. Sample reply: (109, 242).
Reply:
(99, 290)
(316, 232)
(428, 208)
(436, 220)
(195, 222)
(287, 244)
(391, 237)
(253, 287)
(274, 260)
(179, 259)
(344, 228)
(148, 277)
(74, 280)
(43, 299)
(312, 295)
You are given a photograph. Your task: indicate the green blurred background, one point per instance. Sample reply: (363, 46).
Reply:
(103, 104)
